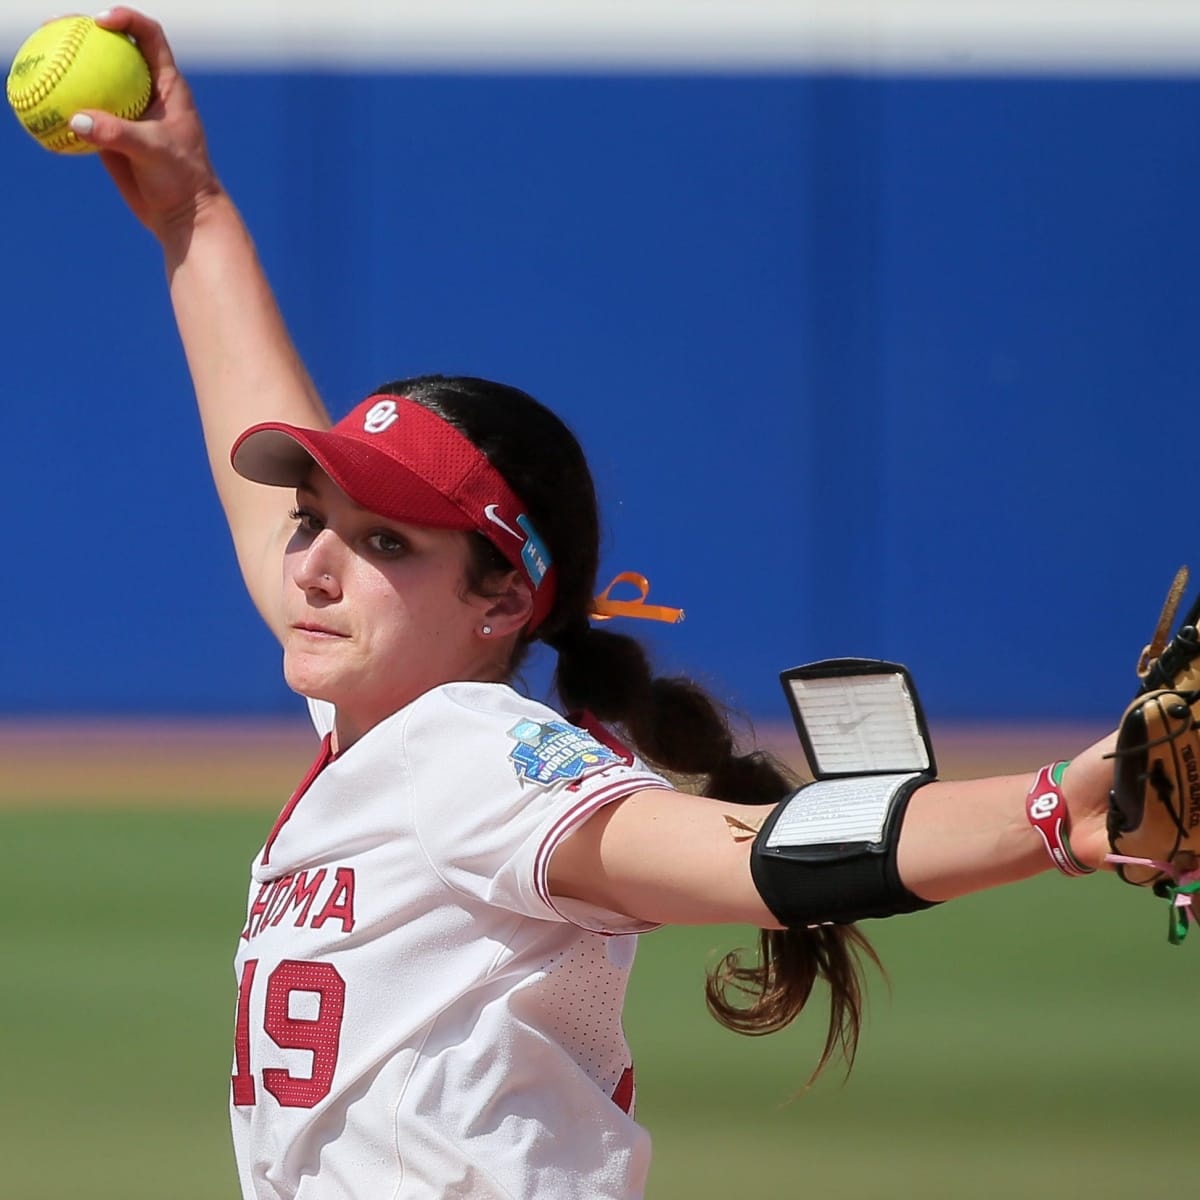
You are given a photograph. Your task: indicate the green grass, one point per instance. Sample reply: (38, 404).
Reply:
(1032, 1043)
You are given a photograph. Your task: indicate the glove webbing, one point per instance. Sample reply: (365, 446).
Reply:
(1161, 661)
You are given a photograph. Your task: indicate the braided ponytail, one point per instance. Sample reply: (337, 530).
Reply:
(675, 725)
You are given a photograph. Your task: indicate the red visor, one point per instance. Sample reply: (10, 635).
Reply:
(394, 457)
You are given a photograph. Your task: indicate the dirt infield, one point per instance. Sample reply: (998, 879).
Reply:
(152, 762)
(205, 763)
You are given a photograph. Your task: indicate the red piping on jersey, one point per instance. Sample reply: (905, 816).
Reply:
(623, 1096)
(609, 794)
(324, 757)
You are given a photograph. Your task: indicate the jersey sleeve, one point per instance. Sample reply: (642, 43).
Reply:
(498, 783)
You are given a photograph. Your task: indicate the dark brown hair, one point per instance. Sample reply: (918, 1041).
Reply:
(671, 722)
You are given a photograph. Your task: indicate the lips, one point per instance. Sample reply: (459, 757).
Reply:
(317, 630)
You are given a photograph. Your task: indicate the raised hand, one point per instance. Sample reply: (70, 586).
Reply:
(160, 162)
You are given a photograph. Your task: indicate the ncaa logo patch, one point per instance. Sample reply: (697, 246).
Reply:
(547, 751)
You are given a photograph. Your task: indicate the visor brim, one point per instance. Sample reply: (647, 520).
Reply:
(283, 456)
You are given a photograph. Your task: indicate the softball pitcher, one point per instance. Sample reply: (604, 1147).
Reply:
(441, 923)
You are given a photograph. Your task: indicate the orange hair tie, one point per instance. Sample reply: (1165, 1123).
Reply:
(604, 609)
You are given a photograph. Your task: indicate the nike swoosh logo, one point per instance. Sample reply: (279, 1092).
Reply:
(490, 512)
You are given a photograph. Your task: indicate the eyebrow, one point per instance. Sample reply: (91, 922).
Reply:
(308, 490)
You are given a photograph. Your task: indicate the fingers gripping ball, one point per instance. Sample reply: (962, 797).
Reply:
(72, 64)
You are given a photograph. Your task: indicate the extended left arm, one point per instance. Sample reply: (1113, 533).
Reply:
(671, 858)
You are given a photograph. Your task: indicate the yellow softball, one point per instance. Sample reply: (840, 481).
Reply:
(72, 64)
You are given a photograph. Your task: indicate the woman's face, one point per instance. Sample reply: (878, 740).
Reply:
(376, 612)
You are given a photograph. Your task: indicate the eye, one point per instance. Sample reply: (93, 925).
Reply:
(387, 544)
(307, 520)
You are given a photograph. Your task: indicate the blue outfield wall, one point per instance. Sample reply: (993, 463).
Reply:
(889, 366)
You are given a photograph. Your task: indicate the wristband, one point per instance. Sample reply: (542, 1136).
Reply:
(1046, 809)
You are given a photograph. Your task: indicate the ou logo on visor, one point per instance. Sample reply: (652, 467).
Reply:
(380, 416)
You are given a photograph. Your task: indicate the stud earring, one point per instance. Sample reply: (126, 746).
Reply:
(486, 630)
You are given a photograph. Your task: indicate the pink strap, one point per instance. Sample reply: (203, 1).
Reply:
(1181, 892)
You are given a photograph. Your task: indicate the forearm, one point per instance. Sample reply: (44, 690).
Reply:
(243, 364)
(245, 369)
(965, 836)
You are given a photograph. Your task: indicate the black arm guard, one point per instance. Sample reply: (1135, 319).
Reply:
(827, 854)
(832, 882)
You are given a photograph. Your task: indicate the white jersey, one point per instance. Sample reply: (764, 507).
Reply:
(417, 1017)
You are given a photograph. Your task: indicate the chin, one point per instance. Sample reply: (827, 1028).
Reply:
(308, 679)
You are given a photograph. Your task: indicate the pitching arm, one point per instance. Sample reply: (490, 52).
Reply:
(243, 363)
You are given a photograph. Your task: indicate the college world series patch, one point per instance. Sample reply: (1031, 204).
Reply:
(550, 750)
